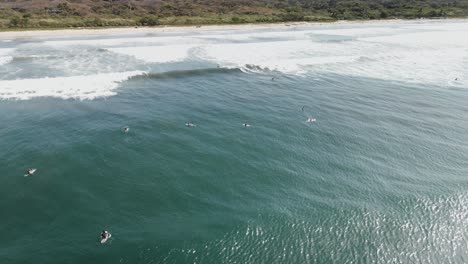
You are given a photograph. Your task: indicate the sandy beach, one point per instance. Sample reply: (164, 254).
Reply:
(60, 33)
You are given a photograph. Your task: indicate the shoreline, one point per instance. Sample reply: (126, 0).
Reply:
(76, 32)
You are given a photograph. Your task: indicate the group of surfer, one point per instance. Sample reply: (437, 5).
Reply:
(190, 124)
(105, 235)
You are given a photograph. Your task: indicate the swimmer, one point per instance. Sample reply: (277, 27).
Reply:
(310, 120)
(126, 129)
(105, 236)
(190, 124)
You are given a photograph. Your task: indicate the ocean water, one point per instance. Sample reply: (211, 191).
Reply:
(380, 177)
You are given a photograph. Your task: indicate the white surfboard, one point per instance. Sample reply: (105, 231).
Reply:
(31, 173)
(104, 240)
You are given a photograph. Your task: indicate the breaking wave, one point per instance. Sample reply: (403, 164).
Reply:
(415, 53)
(74, 87)
(5, 60)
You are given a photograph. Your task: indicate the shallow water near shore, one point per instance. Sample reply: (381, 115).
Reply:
(380, 177)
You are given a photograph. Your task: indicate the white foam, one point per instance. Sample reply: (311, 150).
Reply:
(5, 59)
(239, 36)
(360, 31)
(76, 87)
(6, 51)
(285, 56)
(423, 53)
(123, 41)
(435, 39)
(439, 25)
(432, 57)
(156, 54)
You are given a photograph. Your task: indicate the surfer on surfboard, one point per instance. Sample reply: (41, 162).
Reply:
(190, 124)
(126, 129)
(246, 124)
(105, 236)
(30, 172)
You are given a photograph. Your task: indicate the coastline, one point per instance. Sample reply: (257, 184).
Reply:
(59, 33)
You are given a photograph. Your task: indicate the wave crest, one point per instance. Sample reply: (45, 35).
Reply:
(85, 87)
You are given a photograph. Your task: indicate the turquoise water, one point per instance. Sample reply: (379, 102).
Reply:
(381, 177)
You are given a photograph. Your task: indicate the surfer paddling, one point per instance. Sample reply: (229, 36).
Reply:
(311, 120)
(30, 172)
(126, 129)
(246, 125)
(105, 236)
(190, 124)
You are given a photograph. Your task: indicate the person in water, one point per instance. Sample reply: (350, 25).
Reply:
(190, 124)
(104, 234)
(126, 129)
(30, 171)
(246, 125)
(310, 120)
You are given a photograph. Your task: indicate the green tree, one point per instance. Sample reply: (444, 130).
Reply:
(383, 14)
(149, 21)
(15, 21)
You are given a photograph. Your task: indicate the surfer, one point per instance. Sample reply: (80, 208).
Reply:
(310, 120)
(105, 236)
(126, 129)
(190, 124)
(30, 172)
(246, 125)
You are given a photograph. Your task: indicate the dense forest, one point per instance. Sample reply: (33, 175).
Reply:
(102, 13)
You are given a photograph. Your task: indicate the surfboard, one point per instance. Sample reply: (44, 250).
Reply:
(32, 172)
(104, 240)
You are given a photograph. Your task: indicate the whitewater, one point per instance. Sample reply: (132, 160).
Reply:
(432, 53)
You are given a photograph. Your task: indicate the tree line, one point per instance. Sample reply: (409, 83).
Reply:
(107, 13)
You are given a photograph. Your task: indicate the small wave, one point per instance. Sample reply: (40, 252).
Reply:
(185, 73)
(85, 87)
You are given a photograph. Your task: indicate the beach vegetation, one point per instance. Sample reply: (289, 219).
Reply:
(116, 13)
